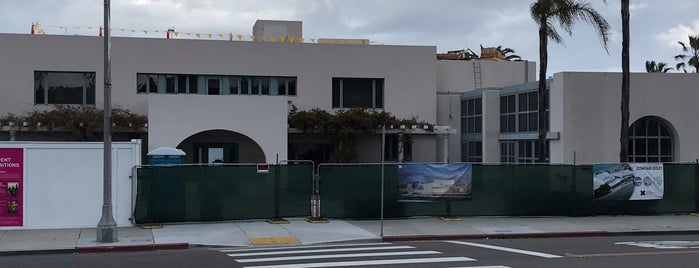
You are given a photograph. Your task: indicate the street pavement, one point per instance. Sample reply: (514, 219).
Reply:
(298, 231)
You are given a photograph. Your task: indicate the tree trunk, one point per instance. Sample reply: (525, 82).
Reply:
(543, 92)
(625, 83)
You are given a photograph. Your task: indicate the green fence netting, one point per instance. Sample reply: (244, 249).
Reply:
(353, 191)
(215, 193)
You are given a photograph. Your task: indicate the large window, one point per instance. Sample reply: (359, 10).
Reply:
(528, 105)
(357, 93)
(519, 112)
(508, 113)
(215, 85)
(472, 116)
(650, 141)
(521, 151)
(472, 151)
(64, 87)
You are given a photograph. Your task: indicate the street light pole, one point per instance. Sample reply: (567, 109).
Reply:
(106, 228)
(383, 146)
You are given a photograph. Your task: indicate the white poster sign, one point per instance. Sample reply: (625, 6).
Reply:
(632, 181)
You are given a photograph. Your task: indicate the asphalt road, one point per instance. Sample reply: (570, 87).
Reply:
(615, 251)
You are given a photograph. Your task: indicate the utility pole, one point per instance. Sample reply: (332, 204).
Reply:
(106, 228)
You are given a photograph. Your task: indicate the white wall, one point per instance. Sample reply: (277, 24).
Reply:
(458, 76)
(63, 183)
(449, 114)
(491, 126)
(585, 110)
(173, 118)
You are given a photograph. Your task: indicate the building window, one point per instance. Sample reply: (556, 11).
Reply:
(528, 106)
(520, 151)
(472, 116)
(64, 87)
(215, 85)
(650, 140)
(357, 93)
(519, 112)
(397, 149)
(472, 151)
(508, 113)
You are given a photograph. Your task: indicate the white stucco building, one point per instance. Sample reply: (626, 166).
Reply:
(229, 100)
(584, 119)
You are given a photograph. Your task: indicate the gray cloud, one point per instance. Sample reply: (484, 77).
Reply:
(446, 24)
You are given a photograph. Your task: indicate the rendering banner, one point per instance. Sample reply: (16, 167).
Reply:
(11, 184)
(434, 181)
(632, 181)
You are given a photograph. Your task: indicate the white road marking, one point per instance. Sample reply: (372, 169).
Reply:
(316, 251)
(364, 263)
(298, 247)
(496, 266)
(513, 250)
(330, 256)
(662, 244)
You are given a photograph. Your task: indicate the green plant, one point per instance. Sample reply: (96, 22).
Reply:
(11, 118)
(343, 126)
(83, 122)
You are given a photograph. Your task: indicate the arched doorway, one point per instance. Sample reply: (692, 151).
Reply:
(221, 146)
(650, 140)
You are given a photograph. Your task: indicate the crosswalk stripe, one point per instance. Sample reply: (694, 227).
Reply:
(364, 263)
(513, 250)
(316, 251)
(296, 247)
(489, 266)
(330, 256)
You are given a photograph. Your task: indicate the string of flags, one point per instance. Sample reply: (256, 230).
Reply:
(40, 29)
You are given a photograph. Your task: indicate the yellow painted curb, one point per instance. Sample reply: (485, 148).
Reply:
(277, 221)
(151, 226)
(316, 220)
(274, 240)
(449, 219)
(694, 214)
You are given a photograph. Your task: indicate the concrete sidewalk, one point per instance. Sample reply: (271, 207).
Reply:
(300, 232)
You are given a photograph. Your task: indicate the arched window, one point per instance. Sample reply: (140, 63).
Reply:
(650, 140)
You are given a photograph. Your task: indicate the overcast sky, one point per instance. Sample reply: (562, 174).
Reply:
(656, 26)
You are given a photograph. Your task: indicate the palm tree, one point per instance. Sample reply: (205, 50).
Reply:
(659, 67)
(692, 59)
(625, 83)
(567, 13)
(512, 56)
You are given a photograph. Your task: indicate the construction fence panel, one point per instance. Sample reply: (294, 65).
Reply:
(353, 191)
(222, 192)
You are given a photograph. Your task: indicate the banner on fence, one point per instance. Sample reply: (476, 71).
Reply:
(633, 181)
(11, 186)
(434, 181)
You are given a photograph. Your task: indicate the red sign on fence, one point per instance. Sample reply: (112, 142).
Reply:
(11, 186)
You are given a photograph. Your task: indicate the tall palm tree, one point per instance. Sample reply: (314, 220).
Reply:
(692, 58)
(657, 67)
(566, 13)
(625, 83)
